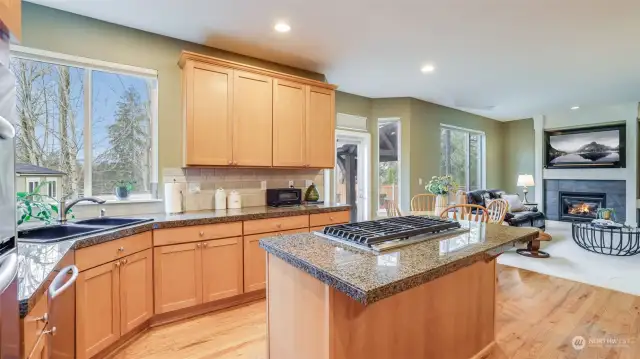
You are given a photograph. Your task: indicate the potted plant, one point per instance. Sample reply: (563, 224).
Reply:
(33, 205)
(124, 188)
(441, 186)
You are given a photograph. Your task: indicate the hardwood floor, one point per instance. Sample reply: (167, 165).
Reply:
(537, 317)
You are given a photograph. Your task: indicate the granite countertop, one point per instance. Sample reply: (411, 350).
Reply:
(38, 263)
(368, 277)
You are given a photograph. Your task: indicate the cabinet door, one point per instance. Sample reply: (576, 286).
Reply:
(221, 268)
(41, 349)
(177, 277)
(97, 309)
(320, 128)
(252, 119)
(209, 100)
(289, 124)
(11, 16)
(136, 290)
(255, 259)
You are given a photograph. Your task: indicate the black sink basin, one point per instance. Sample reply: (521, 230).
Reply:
(111, 221)
(56, 233)
(71, 230)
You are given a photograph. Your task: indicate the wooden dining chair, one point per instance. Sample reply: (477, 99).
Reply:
(392, 208)
(466, 212)
(497, 209)
(423, 202)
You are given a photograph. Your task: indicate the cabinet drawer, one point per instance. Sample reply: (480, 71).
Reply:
(275, 224)
(188, 234)
(102, 253)
(327, 219)
(33, 325)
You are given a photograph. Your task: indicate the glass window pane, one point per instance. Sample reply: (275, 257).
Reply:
(462, 157)
(475, 179)
(388, 169)
(50, 121)
(121, 133)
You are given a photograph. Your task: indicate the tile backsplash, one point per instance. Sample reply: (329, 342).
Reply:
(200, 183)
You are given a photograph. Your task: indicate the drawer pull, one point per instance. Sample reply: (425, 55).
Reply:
(198, 245)
(51, 331)
(330, 218)
(124, 261)
(201, 233)
(44, 318)
(278, 225)
(205, 244)
(117, 263)
(121, 249)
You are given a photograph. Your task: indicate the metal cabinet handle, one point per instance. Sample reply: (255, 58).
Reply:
(117, 263)
(51, 331)
(44, 318)
(201, 233)
(57, 286)
(205, 244)
(198, 245)
(121, 249)
(230, 162)
(125, 261)
(330, 218)
(278, 225)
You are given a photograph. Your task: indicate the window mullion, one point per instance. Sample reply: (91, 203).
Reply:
(467, 163)
(87, 131)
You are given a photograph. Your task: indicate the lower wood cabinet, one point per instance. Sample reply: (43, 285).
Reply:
(255, 259)
(41, 349)
(110, 300)
(195, 273)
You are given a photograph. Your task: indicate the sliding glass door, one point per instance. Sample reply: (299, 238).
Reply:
(462, 156)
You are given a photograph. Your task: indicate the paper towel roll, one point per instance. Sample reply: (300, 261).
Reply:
(173, 197)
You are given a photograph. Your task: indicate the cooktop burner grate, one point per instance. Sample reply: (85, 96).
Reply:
(373, 232)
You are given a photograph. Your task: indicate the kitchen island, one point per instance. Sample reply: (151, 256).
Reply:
(432, 299)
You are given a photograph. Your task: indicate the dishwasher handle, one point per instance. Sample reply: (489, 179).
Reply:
(58, 285)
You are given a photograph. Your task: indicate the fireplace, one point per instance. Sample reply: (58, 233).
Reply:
(580, 206)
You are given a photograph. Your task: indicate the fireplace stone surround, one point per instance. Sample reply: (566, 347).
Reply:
(615, 195)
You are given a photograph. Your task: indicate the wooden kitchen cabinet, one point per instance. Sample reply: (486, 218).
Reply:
(222, 270)
(252, 119)
(136, 290)
(11, 16)
(41, 349)
(320, 128)
(255, 259)
(208, 97)
(239, 115)
(289, 116)
(97, 309)
(178, 277)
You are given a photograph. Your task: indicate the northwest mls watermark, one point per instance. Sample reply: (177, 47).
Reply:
(580, 342)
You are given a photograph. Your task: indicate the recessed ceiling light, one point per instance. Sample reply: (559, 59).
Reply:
(427, 68)
(575, 107)
(282, 27)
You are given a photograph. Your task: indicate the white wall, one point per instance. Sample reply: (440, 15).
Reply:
(584, 117)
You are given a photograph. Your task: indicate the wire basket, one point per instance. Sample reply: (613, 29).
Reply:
(613, 241)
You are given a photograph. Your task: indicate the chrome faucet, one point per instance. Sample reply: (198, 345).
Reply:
(64, 207)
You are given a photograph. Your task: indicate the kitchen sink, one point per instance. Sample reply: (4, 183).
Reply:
(111, 221)
(61, 232)
(56, 233)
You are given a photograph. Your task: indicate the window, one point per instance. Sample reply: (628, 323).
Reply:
(462, 156)
(32, 184)
(388, 163)
(94, 121)
(52, 187)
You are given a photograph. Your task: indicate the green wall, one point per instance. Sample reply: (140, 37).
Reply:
(519, 154)
(53, 30)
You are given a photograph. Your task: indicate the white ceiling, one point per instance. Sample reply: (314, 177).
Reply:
(504, 59)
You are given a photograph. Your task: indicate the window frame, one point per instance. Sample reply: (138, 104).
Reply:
(381, 212)
(89, 65)
(33, 180)
(482, 160)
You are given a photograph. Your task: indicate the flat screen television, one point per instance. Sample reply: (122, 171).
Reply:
(593, 147)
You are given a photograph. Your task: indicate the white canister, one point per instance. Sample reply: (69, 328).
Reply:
(235, 200)
(221, 199)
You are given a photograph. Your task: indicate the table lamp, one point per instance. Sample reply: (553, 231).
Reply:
(525, 181)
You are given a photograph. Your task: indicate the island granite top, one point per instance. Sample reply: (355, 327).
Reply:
(368, 277)
(38, 263)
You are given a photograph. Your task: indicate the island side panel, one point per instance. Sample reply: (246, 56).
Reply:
(451, 317)
(297, 313)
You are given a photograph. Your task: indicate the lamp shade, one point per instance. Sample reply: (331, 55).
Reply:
(525, 180)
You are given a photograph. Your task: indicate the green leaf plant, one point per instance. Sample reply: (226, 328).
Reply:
(34, 205)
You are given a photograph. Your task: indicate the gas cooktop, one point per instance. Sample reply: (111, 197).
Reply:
(391, 233)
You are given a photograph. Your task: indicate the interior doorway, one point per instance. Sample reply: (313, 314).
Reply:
(352, 180)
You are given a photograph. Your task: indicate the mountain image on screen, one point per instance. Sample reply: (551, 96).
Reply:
(588, 148)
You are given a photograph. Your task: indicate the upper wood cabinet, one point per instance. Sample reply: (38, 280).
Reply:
(320, 128)
(11, 16)
(252, 119)
(208, 98)
(289, 116)
(240, 115)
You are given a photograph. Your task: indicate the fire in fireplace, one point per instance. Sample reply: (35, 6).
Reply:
(580, 206)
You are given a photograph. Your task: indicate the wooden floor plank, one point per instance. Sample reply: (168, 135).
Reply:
(537, 317)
